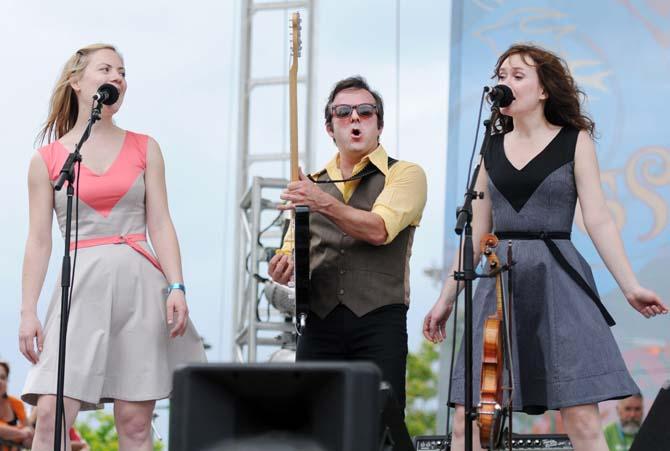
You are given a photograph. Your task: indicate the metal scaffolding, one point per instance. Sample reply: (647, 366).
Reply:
(252, 159)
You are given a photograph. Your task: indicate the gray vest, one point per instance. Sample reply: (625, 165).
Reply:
(352, 272)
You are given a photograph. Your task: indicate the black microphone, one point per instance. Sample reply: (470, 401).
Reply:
(107, 94)
(501, 96)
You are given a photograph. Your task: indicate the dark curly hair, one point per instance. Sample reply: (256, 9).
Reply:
(563, 104)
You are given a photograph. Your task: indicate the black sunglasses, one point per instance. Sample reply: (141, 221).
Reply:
(364, 110)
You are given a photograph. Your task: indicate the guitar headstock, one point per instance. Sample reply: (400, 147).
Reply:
(488, 245)
(296, 41)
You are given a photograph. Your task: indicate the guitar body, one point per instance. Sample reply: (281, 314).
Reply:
(301, 263)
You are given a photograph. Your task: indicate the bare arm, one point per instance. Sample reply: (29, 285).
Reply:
(359, 224)
(163, 235)
(481, 225)
(603, 232)
(36, 256)
(434, 326)
(13, 433)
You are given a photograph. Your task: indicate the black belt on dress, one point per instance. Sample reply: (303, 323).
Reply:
(547, 238)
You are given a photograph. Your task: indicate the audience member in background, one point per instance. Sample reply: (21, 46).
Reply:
(13, 425)
(621, 433)
(77, 443)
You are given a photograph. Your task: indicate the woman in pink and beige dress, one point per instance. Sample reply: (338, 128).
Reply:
(128, 325)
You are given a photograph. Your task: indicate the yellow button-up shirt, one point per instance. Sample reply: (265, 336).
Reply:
(401, 202)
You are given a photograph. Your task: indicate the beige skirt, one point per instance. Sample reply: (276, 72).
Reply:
(118, 344)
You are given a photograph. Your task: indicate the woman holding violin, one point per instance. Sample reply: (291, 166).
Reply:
(540, 162)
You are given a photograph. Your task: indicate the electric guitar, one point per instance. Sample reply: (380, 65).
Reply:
(301, 216)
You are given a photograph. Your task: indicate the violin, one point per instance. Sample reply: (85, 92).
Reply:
(490, 415)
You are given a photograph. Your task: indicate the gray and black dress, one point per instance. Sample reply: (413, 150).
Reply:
(564, 352)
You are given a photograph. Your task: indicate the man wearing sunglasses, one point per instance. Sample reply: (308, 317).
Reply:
(364, 207)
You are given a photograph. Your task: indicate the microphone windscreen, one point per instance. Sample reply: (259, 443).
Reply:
(503, 95)
(111, 93)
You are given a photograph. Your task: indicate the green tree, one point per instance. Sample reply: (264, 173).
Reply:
(422, 380)
(100, 433)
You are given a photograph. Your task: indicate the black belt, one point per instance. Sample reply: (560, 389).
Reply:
(547, 238)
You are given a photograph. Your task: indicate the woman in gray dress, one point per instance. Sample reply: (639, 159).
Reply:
(541, 161)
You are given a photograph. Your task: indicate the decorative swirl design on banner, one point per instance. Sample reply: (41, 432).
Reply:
(650, 166)
(645, 173)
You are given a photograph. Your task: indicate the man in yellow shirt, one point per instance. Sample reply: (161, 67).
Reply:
(364, 207)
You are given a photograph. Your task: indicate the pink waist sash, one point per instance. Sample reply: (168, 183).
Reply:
(131, 240)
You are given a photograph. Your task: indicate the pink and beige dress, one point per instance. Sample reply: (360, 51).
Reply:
(118, 344)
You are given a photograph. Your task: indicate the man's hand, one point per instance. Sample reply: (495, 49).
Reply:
(280, 268)
(305, 192)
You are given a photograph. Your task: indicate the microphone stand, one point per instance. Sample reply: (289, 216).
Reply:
(67, 174)
(467, 275)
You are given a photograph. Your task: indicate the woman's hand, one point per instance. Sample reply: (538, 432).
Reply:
(177, 313)
(434, 324)
(646, 302)
(30, 331)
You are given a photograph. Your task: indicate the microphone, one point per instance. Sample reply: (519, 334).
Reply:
(501, 96)
(107, 94)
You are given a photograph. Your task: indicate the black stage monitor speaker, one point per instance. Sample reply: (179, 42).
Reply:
(654, 432)
(306, 406)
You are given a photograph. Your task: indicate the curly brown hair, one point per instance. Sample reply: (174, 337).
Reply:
(562, 106)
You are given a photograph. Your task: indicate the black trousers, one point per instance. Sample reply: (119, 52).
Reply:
(379, 337)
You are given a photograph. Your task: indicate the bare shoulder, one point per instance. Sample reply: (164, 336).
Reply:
(154, 154)
(38, 167)
(585, 145)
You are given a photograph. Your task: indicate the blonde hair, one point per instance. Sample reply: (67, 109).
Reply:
(63, 106)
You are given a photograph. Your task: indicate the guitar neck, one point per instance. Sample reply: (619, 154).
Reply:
(293, 95)
(293, 121)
